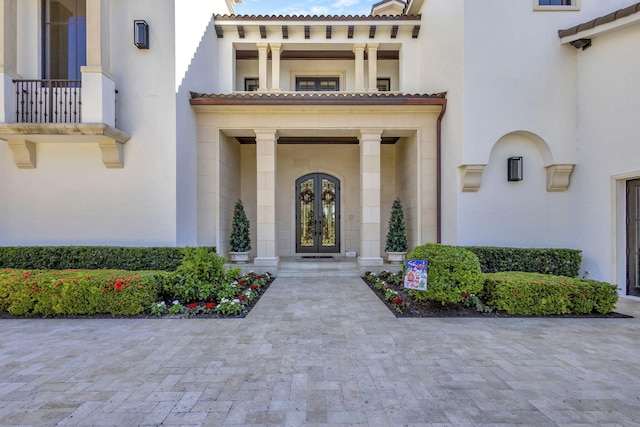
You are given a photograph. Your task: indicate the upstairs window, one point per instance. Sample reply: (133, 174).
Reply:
(317, 84)
(251, 84)
(383, 84)
(64, 35)
(556, 4)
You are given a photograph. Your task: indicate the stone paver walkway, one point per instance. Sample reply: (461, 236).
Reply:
(321, 352)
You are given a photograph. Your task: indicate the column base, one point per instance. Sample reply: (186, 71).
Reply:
(266, 261)
(370, 261)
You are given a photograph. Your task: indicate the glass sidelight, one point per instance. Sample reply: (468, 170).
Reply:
(317, 214)
(633, 237)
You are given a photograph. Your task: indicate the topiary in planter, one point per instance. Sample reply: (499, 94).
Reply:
(396, 237)
(239, 240)
(453, 272)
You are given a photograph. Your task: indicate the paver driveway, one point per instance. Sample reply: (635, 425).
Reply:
(321, 352)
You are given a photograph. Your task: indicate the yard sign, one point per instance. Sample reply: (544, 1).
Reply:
(416, 274)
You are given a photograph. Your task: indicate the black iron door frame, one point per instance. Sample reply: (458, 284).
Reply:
(317, 214)
(633, 237)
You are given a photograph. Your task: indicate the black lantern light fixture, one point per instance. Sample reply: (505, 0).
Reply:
(514, 169)
(141, 34)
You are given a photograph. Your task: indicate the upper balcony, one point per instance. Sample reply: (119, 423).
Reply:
(317, 53)
(79, 105)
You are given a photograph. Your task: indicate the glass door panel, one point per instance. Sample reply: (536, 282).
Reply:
(317, 214)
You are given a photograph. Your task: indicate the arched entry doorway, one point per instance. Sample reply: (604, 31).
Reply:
(317, 214)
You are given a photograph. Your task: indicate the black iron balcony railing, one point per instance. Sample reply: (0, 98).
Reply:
(48, 101)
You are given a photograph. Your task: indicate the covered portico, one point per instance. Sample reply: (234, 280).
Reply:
(309, 165)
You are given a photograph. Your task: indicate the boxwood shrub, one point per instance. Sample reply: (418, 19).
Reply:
(72, 292)
(559, 262)
(529, 294)
(91, 257)
(453, 272)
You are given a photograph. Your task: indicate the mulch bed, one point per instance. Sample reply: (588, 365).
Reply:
(417, 308)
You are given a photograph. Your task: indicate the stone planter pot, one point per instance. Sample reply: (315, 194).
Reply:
(396, 257)
(239, 257)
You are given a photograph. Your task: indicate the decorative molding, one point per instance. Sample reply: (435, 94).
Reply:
(23, 137)
(471, 177)
(112, 153)
(24, 153)
(558, 177)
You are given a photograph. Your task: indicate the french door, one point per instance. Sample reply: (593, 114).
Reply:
(633, 237)
(317, 214)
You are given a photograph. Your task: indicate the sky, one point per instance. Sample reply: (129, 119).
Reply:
(304, 7)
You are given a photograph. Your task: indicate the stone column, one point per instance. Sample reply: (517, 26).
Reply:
(275, 66)
(266, 161)
(263, 50)
(370, 188)
(8, 59)
(372, 52)
(98, 85)
(358, 49)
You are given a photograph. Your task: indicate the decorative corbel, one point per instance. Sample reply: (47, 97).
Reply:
(112, 153)
(471, 177)
(558, 177)
(24, 153)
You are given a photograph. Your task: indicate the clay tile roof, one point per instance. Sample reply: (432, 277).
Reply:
(316, 17)
(622, 13)
(315, 98)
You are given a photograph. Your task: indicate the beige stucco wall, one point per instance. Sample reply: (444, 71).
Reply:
(406, 182)
(340, 161)
(230, 187)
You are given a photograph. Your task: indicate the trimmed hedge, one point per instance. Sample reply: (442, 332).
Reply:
(559, 262)
(453, 272)
(91, 257)
(73, 292)
(529, 294)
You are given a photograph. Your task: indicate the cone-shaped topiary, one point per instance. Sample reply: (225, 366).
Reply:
(396, 237)
(239, 240)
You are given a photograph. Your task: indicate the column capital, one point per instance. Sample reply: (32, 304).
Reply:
(372, 45)
(277, 46)
(359, 47)
(370, 134)
(262, 45)
(266, 134)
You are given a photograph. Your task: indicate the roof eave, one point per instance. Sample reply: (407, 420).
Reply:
(199, 99)
(596, 27)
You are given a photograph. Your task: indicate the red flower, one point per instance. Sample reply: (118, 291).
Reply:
(515, 292)
(397, 300)
(464, 295)
(241, 282)
(254, 287)
(210, 306)
(241, 297)
(119, 285)
(193, 305)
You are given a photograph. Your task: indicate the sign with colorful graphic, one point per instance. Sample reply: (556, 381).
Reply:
(416, 274)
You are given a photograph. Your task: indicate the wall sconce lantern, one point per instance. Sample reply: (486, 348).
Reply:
(141, 34)
(514, 169)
